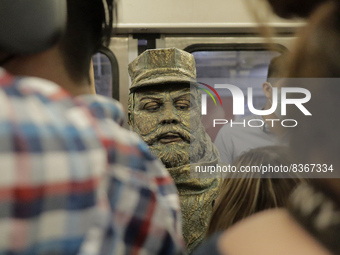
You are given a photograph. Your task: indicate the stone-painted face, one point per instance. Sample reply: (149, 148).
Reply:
(161, 116)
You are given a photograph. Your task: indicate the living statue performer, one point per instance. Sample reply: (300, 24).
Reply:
(167, 115)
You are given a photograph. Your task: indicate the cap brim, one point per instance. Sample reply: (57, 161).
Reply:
(164, 80)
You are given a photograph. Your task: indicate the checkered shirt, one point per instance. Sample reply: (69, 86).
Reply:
(73, 181)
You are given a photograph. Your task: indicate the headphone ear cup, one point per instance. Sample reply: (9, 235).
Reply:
(31, 26)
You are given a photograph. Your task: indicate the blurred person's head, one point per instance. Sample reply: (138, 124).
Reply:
(316, 53)
(316, 139)
(89, 25)
(242, 197)
(294, 8)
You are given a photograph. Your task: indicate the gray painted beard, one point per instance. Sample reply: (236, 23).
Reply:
(172, 155)
(178, 154)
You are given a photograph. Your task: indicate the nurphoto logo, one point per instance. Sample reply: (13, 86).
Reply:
(239, 103)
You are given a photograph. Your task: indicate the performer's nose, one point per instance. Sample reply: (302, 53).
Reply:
(169, 115)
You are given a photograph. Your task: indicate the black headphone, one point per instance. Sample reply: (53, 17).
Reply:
(31, 26)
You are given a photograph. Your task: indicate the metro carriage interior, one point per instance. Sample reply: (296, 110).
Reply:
(225, 43)
(136, 165)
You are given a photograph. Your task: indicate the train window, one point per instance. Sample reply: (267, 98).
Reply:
(106, 73)
(241, 65)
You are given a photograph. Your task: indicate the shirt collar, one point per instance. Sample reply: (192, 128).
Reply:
(265, 128)
(103, 107)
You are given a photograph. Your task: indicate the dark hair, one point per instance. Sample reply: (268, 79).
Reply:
(275, 69)
(292, 8)
(87, 30)
(317, 54)
(242, 197)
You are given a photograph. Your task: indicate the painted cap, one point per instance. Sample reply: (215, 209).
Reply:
(162, 66)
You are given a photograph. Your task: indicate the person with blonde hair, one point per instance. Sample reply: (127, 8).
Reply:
(242, 197)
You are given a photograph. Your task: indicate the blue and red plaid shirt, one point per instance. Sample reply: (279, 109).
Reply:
(73, 181)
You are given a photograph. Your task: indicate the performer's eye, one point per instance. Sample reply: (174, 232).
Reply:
(152, 106)
(182, 105)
